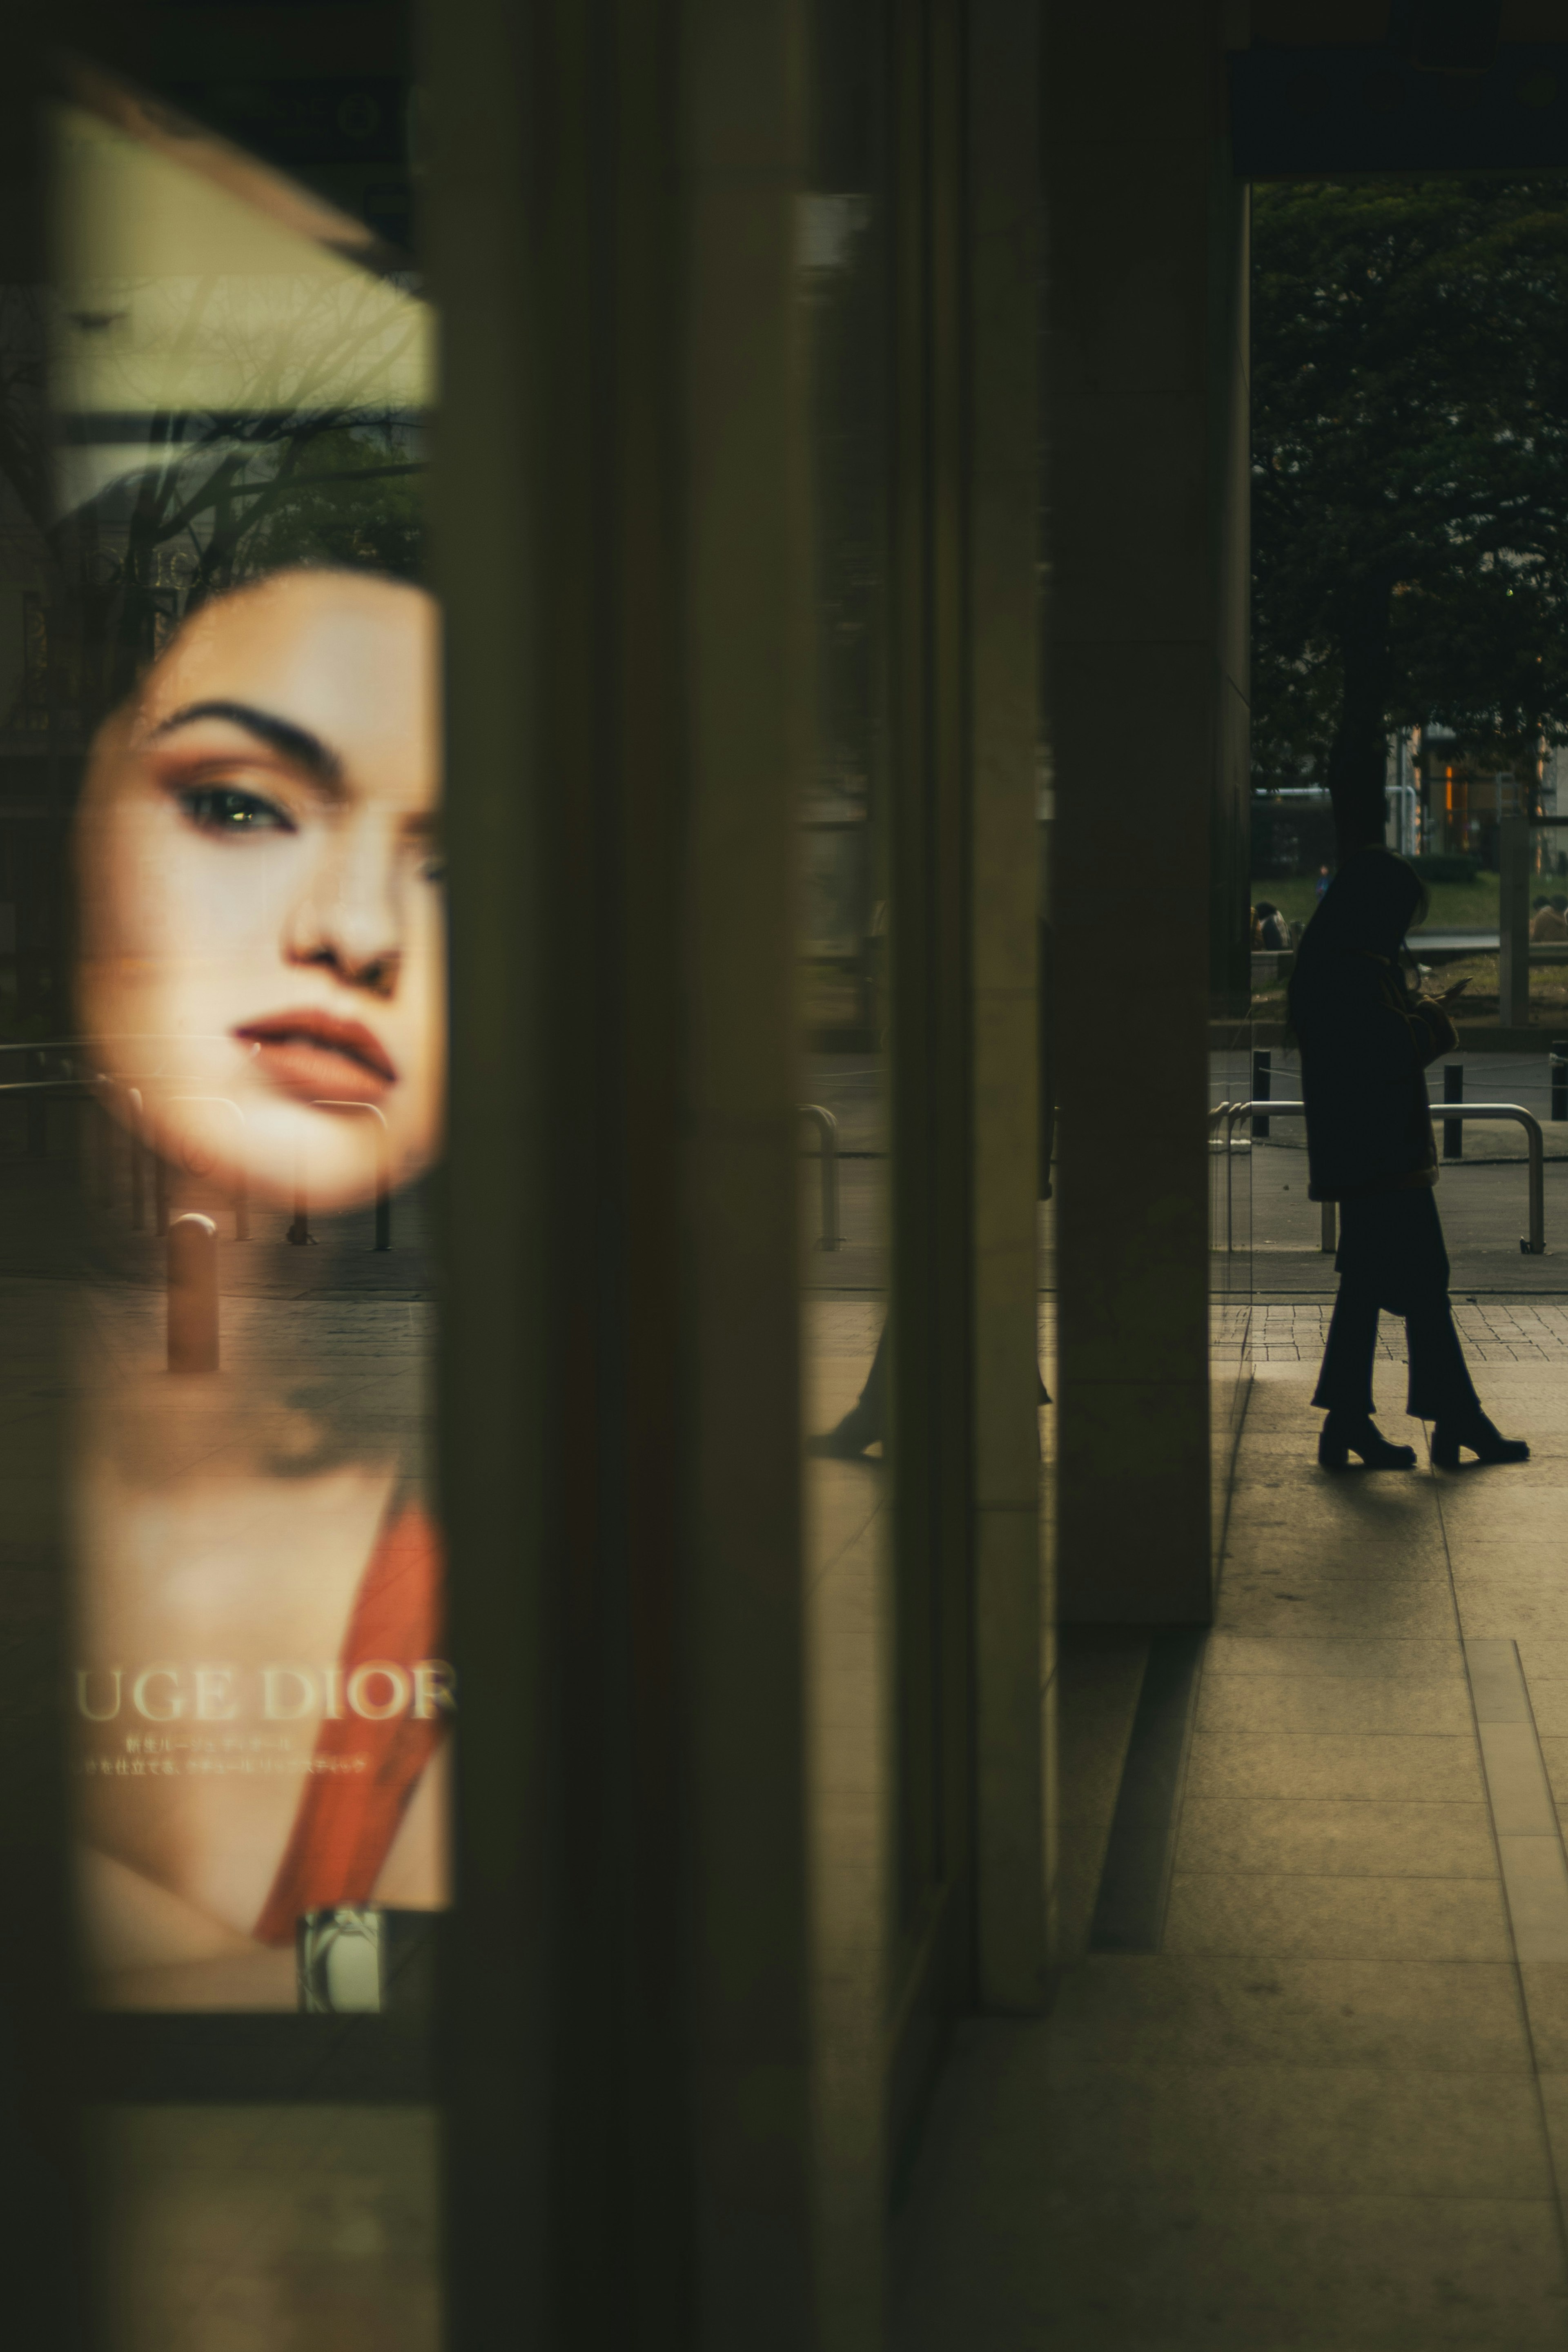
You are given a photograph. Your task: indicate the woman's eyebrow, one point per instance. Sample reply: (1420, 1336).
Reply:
(296, 744)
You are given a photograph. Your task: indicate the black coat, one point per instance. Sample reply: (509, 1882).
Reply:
(1366, 1038)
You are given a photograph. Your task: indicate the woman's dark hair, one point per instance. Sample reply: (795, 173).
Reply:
(1365, 912)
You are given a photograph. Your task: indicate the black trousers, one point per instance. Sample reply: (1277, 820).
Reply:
(1392, 1260)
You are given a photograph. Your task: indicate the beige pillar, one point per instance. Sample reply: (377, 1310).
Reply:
(1148, 726)
(621, 520)
(1003, 619)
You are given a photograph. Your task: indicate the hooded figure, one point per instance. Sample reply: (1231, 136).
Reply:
(1365, 1042)
(1364, 1039)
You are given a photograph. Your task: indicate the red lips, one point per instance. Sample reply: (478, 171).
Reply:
(313, 1057)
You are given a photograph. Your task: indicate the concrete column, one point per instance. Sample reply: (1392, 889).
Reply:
(1004, 265)
(1148, 721)
(746, 688)
(622, 528)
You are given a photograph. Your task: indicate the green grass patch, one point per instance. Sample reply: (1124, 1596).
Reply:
(1548, 992)
(1455, 905)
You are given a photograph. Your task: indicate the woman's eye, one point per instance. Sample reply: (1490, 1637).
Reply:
(432, 869)
(224, 808)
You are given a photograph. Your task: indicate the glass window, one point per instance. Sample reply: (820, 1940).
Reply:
(222, 1010)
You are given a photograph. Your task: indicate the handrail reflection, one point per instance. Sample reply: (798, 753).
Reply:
(1535, 1246)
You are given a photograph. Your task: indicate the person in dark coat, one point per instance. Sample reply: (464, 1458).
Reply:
(1272, 930)
(1365, 1040)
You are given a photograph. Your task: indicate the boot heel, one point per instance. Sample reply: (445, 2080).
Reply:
(1333, 1453)
(1486, 1443)
(1355, 1435)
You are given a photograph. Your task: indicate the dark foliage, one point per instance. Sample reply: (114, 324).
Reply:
(1410, 472)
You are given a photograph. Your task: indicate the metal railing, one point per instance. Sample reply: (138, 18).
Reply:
(95, 1089)
(299, 1231)
(827, 1129)
(1535, 1247)
(240, 1198)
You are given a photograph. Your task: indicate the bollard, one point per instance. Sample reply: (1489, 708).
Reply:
(826, 1127)
(1559, 1064)
(299, 1232)
(193, 1295)
(100, 1130)
(138, 1185)
(383, 1176)
(1453, 1092)
(1328, 1238)
(1262, 1085)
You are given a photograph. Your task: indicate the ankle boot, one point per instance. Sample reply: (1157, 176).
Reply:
(1344, 1433)
(1480, 1438)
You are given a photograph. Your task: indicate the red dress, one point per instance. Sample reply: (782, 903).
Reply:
(348, 1817)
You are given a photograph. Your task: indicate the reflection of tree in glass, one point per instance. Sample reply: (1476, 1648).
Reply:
(1410, 475)
(306, 461)
(25, 456)
(353, 497)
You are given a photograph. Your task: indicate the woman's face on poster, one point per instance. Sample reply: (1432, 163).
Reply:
(262, 909)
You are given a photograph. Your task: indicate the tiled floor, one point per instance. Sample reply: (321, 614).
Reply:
(1324, 2117)
(302, 2229)
(1494, 1330)
(306, 2227)
(1332, 2113)
(848, 1618)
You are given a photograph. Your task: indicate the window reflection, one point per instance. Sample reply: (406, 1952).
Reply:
(843, 949)
(232, 624)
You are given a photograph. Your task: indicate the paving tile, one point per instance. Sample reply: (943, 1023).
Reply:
(1512, 1607)
(313, 2303)
(1334, 1656)
(1553, 2093)
(1336, 1839)
(1298, 1917)
(1363, 2131)
(252, 2227)
(1420, 2015)
(1383, 1609)
(1549, 1704)
(1347, 1703)
(1380, 1504)
(1546, 1989)
(1554, 1755)
(1339, 1557)
(1130, 2273)
(126, 2141)
(1474, 1500)
(1542, 1658)
(1413, 1767)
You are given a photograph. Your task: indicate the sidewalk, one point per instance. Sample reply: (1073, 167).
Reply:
(1331, 2112)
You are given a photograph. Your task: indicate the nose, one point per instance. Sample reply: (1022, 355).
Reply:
(348, 916)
